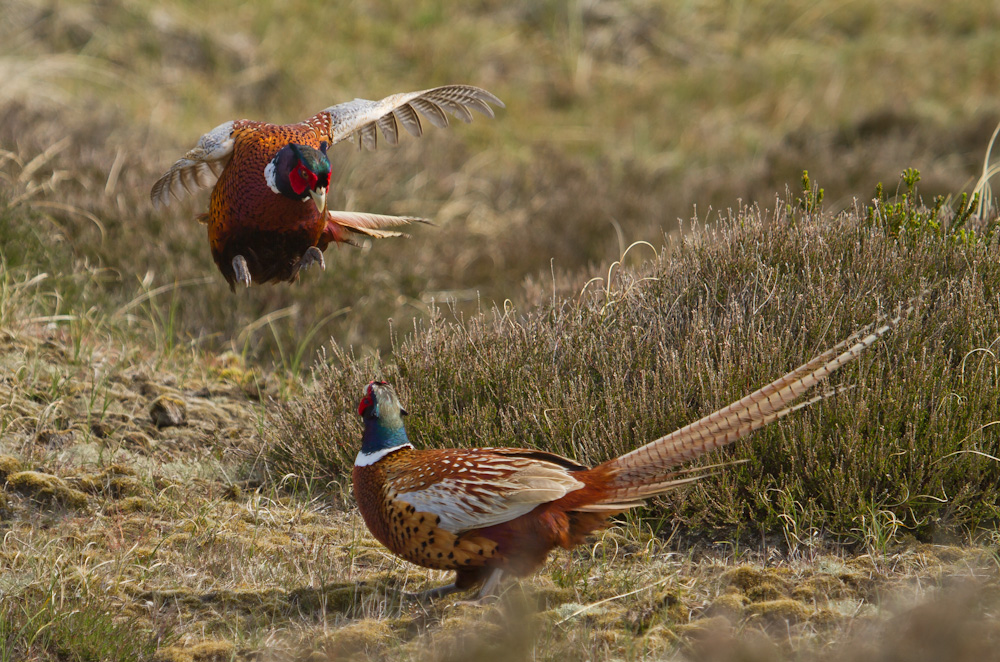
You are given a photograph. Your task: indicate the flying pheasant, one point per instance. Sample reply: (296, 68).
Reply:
(267, 217)
(485, 512)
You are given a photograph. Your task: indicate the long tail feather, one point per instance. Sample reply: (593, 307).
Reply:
(371, 225)
(646, 471)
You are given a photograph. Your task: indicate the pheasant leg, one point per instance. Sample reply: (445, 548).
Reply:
(486, 594)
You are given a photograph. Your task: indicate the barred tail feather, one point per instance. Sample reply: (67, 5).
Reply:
(646, 471)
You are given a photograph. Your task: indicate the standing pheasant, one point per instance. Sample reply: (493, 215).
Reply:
(267, 217)
(485, 512)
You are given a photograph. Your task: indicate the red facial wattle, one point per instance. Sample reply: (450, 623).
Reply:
(302, 179)
(365, 403)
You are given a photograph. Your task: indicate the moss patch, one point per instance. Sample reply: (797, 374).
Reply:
(134, 505)
(205, 651)
(46, 488)
(757, 584)
(121, 486)
(168, 411)
(704, 626)
(365, 636)
(9, 465)
(730, 605)
(774, 611)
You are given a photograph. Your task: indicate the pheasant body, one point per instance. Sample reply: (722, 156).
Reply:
(417, 535)
(247, 218)
(267, 218)
(484, 512)
(445, 508)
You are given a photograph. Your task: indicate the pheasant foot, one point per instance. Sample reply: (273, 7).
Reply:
(490, 586)
(242, 272)
(312, 256)
(488, 592)
(486, 595)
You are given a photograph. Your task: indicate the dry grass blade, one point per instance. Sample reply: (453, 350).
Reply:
(73, 209)
(982, 189)
(32, 166)
(157, 291)
(265, 320)
(586, 608)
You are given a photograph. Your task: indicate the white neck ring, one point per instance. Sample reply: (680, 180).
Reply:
(366, 459)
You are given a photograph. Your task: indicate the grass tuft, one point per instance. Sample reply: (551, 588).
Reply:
(74, 630)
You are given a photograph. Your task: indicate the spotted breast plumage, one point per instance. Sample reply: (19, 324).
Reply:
(485, 512)
(268, 217)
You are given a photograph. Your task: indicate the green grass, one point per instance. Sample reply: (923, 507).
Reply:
(84, 632)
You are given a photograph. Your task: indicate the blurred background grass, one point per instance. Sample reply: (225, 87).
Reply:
(621, 119)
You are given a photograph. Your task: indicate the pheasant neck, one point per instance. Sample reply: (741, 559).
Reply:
(379, 440)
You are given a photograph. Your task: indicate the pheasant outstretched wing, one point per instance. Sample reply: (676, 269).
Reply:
(361, 116)
(474, 489)
(200, 167)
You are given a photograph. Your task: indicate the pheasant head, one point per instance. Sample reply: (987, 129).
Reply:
(300, 172)
(383, 418)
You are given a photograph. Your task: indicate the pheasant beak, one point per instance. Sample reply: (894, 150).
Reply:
(318, 196)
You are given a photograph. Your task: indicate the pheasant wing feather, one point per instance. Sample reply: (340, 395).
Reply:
(362, 116)
(200, 167)
(483, 491)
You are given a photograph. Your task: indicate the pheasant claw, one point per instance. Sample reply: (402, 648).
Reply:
(242, 272)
